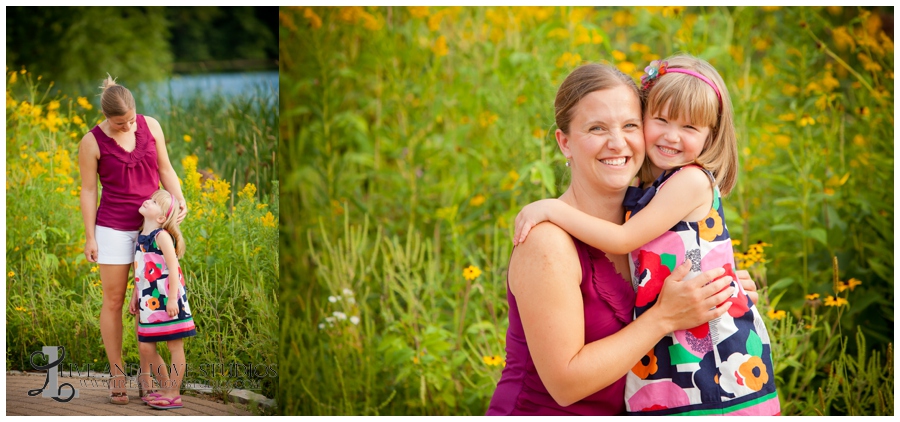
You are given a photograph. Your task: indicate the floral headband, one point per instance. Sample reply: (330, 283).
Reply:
(658, 68)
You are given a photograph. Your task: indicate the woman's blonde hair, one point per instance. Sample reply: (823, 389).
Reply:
(164, 199)
(115, 100)
(689, 94)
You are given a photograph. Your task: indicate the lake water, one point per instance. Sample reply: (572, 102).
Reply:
(181, 87)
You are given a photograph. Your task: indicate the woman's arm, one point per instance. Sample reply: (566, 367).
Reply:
(684, 192)
(166, 172)
(88, 155)
(167, 246)
(545, 275)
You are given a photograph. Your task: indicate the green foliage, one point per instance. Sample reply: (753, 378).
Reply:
(53, 295)
(76, 45)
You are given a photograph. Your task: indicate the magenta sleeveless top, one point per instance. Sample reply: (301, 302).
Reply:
(127, 178)
(608, 306)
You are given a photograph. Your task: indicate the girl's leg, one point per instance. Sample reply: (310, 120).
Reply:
(115, 281)
(170, 393)
(152, 364)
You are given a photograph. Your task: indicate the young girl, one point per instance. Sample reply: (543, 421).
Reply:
(163, 306)
(724, 366)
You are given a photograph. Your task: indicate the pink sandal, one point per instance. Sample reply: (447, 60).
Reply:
(169, 403)
(151, 396)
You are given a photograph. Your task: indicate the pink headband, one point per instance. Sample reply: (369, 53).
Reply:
(171, 205)
(658, 68)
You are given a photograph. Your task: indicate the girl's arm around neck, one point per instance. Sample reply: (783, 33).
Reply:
(683, 193)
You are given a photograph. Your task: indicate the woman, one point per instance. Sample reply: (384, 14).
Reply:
(571, 338)
(127, 153)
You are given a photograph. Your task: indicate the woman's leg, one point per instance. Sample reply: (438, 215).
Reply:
(115, 281)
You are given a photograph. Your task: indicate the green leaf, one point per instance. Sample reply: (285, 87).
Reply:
(782, 284)
(785, 227)
(818, 234)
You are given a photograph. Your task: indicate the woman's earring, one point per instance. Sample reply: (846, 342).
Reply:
(567, 162)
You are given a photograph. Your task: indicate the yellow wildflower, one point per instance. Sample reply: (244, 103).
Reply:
(187, 138)
(477, 200)
(841, 286)
(268, 220)
(418, 11)
(788, 117)
(471, 272)
(440, 47)
(776, 315)
(84, 103)
(314, 20)
(807, 120)
(626, 67)
(487, 118)
(10, 274)
(813, 296)
(249, 192)
(852, 283)
(558, 33)
(618, 55)
(832, 301)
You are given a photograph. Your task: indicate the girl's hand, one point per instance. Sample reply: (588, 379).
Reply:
(532, 214)
(90, 250)
(133, 305)
(182, 211)
(748, 285)
(172, 307)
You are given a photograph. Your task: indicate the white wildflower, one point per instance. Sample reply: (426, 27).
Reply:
(354, 319)
(332, 299)
(348, 292)
(340, 316)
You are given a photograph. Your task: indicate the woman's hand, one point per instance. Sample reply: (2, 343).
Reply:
(684, 304)
(748, 285)
(90, 250)
(532, 214)
(182, 211)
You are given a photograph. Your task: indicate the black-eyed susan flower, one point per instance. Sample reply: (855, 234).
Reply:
(477, 200)
(833, 301)
(776, 315)
(471, 272)
(813, 296)
(852, 283)
(10, 274)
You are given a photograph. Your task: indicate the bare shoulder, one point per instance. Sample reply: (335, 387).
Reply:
(151, 122)
(548, 256)
(88, 145)
(691, 177)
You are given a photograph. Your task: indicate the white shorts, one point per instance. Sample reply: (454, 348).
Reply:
(115, 246)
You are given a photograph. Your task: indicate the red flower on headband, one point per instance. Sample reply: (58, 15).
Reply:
(652, 72)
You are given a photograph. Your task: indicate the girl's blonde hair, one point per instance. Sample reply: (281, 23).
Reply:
(164, 199)
(689, 94)
(115, 100)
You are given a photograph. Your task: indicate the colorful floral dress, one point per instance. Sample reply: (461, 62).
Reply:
(151, 279)
(723, 367)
